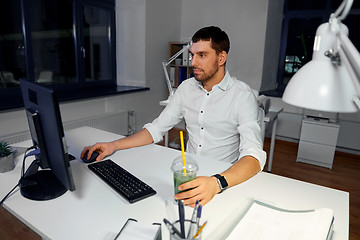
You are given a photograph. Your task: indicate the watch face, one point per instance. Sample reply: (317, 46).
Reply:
(223, 182)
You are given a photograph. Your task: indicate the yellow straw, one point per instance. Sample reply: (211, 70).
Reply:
(183, 151)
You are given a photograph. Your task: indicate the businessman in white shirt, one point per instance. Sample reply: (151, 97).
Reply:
(220, 113)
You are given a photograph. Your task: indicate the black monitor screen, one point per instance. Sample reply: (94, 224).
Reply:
(46, 129)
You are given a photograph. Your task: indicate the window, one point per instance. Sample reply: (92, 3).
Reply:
(68, 45)
(299, 47)
(96, 50)
(52, 43)
(301, 20)
(12, 51)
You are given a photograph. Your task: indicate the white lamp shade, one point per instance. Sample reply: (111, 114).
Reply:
(320, 84)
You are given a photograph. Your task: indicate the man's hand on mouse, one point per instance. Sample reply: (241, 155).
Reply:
(104, 149)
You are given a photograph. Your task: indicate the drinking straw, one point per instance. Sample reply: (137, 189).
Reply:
(183, 151)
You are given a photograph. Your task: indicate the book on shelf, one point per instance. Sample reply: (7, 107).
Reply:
(185, 58)
(172, 75)
(182, 74)
(264, 221)
(177, 75)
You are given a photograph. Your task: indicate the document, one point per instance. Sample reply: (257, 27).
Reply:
(263, 221)
(132, 230)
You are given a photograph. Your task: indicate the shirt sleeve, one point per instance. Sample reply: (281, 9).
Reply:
(167, 119)
(250, 132)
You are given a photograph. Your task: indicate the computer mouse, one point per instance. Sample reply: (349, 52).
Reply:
(92, 157)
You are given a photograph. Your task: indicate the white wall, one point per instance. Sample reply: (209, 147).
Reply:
(130, 31)
(272, 45)
(245, 23)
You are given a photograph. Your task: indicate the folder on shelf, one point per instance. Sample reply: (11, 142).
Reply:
(133, 230)
(263, 221)
(182, 74)
(185, 58)
(172, 76)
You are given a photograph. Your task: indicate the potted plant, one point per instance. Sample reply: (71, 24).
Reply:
(7, 162)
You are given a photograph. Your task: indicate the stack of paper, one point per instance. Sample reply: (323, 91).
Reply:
(132, 230)
(263, 221)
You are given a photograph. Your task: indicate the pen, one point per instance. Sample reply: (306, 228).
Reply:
(173, 230)
(181, 218)
(199, 231)
(192, 222)
(198, 216)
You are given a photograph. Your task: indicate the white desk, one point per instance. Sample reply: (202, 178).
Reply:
(95, 211)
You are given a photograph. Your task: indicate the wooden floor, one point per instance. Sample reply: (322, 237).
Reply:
(345, 176)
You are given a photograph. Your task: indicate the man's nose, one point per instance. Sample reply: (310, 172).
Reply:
(193, 61)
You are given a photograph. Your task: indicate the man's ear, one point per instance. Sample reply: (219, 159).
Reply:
(222, 58)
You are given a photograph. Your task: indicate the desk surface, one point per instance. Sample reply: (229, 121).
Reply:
(95, 211)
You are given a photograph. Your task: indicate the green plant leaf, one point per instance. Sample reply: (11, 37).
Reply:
(5, 149)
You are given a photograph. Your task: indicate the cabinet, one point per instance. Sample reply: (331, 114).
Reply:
(179, 69)
(318, 142)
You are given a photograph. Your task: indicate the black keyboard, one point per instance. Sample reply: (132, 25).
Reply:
(126, 184)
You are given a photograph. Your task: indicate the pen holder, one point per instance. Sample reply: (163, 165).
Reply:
(188, 223)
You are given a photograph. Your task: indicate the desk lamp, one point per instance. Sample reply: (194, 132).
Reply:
(330, 82)
(167, 62)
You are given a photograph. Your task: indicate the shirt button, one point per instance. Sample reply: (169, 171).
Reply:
(201, 111)
(208, 94)
(202, 128)
(200, 145)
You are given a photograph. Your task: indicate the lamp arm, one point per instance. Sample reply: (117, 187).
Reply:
(167, 62)
(343, 9)
(350, 57)
(167, 78)
(172, 58)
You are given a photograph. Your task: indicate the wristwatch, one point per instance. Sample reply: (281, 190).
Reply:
(221, 181)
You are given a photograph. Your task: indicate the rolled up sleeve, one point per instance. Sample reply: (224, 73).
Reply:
(250, 132)
(168, 118)
(251, 142)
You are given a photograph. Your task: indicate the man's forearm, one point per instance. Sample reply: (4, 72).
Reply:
(205, 188)
(140, 138)
(242, 170)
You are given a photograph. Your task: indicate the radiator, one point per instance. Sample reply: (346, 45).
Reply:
(122, 123)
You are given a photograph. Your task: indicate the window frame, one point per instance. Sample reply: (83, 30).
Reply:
(289, 15)
(11, 97)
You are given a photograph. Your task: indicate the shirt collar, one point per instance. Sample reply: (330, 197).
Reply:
(224, 84)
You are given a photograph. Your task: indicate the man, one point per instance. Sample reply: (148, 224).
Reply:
(221, 120)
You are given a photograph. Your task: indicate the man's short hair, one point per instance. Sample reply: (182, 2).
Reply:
(219, 39)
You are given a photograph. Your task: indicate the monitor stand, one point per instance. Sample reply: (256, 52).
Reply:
(40, 185)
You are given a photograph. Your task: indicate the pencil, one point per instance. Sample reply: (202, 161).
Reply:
(199, 231)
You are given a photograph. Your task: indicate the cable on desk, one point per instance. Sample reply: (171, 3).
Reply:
(34, 152)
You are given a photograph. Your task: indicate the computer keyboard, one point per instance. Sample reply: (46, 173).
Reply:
(126, 184)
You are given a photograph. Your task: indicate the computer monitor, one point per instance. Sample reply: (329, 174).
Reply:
(46, 129)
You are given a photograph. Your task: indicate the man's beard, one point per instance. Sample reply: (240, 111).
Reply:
(207, 76)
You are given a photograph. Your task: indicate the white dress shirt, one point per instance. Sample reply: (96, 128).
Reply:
(221, 124)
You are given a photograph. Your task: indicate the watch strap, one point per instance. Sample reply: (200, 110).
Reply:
(221, 181)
